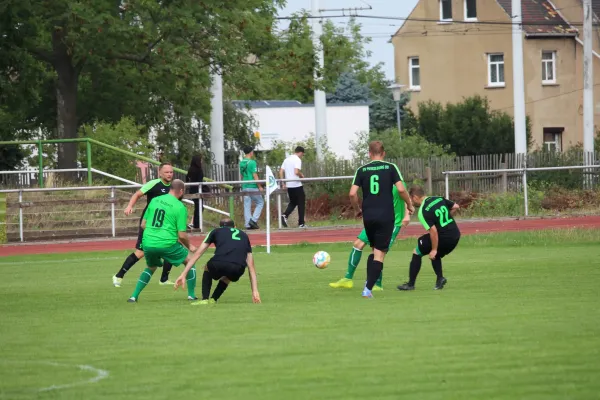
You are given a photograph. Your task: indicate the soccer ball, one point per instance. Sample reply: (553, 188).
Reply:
(321, 259)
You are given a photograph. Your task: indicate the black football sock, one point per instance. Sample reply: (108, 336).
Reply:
(165, 271)
(219, 290)
(373, 273)
(415, 267)
(437, 268)
(129, 262)
(206, 285)
(369, 266)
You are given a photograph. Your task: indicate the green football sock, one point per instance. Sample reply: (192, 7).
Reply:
(378, 283)
(353, 262)
(191, 282)
(142, 282)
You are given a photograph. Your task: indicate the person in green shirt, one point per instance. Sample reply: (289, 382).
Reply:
(401, 219)
(254, 190)
(165, 238)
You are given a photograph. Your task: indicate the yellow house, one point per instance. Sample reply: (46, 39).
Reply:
(451, 49)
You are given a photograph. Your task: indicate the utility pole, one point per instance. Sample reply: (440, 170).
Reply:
(217, 137)
(518, 84)
(588, 92)
(320, 100)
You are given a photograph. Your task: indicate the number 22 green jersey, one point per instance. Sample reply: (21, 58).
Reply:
(165, 217)
(435, 211)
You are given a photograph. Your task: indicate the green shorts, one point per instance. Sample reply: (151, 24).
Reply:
(175, 254)
(362, 236)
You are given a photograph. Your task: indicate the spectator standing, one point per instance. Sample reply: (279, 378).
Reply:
(248, 172)
(292, 169)
(195, 174)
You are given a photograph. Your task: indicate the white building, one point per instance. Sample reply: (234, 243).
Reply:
(292, 121)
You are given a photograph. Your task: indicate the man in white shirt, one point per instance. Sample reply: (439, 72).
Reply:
(290, 169)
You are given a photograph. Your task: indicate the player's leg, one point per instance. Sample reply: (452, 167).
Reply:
(379, 284)
(353, 261)
(445, 247)
(301, 207)
(231, 273)
(130, 261)
(381, 237)
(153, 261)
(423, 248)
(164, 276)
(178, 255)
(220, 289)
(292, 194)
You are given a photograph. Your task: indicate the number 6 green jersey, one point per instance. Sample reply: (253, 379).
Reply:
(435, 211)
(165, 217)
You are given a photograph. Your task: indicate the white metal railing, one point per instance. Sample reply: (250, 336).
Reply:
(522, 171)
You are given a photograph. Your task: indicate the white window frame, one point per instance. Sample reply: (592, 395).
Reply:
(491, 63)
(473, 19)
(411, 67)
(544, 67)
(442, 19)
(557, 142)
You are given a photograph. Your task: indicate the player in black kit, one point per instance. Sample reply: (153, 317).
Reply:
(377, 180)
(152, 189)
(233, 253)
(437, 216)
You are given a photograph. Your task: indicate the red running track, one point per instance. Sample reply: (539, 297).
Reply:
(309, 236)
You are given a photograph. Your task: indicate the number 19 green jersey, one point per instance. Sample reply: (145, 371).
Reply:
(435, 211)
(165, 217)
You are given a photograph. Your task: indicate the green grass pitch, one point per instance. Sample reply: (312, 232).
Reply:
(519, 319)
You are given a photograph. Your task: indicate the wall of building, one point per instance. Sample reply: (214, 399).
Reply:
(291, 124)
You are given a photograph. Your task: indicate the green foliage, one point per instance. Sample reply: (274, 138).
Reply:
(411, 146)
(469, 127)
(125, 135)
(504, 205)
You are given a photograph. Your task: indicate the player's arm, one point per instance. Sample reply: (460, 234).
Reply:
(404, 195)
(282, 176)
(180, 282)
(256, 178)
(298, 169)
(184, 239)
(253, 281)
(182, 235)
(136, 196)
(406, 219)
(454, 209)
(433, 233)
(354, 197)
(143, 224)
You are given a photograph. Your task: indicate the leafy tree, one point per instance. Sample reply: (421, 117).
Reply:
(125, 135)
(104, 59)
(349, 90)
(411, 146)
(469, 127)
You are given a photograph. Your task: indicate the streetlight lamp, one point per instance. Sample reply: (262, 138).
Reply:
(397, 92)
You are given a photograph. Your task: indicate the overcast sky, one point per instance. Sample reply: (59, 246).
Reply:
(379, 30)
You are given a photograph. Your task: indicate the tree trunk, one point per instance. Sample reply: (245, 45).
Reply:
(66, 101)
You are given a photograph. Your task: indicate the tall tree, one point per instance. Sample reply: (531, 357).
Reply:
(148, 58)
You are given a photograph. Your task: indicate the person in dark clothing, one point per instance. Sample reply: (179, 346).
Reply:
(195, 175)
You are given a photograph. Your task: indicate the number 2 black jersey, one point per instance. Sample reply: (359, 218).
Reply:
(435, 211)
(231, 245)
(377, 180)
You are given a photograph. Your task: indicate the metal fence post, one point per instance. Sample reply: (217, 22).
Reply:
(446, 178)
(200, 206)
(21, 214)
(279, 210)
(525, 197)
(268, 218)
(88, 151)
(41, 165)
(112, 211)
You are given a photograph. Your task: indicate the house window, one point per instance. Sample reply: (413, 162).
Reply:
(445, 10)
(548, 67)
(414, 73)
(553, 139)
(470, 10)
(496, 70)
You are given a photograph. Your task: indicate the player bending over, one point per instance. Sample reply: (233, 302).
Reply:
(378, 179)
(152, 189)
(402, 218)
(436, 214)
(233, 253)
(165, 238)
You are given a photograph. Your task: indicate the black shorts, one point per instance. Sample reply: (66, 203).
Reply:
(219, 269)
(445, 245)
(138, 244)
(380, 233)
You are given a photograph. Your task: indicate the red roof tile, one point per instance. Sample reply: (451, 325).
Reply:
(538, 12)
